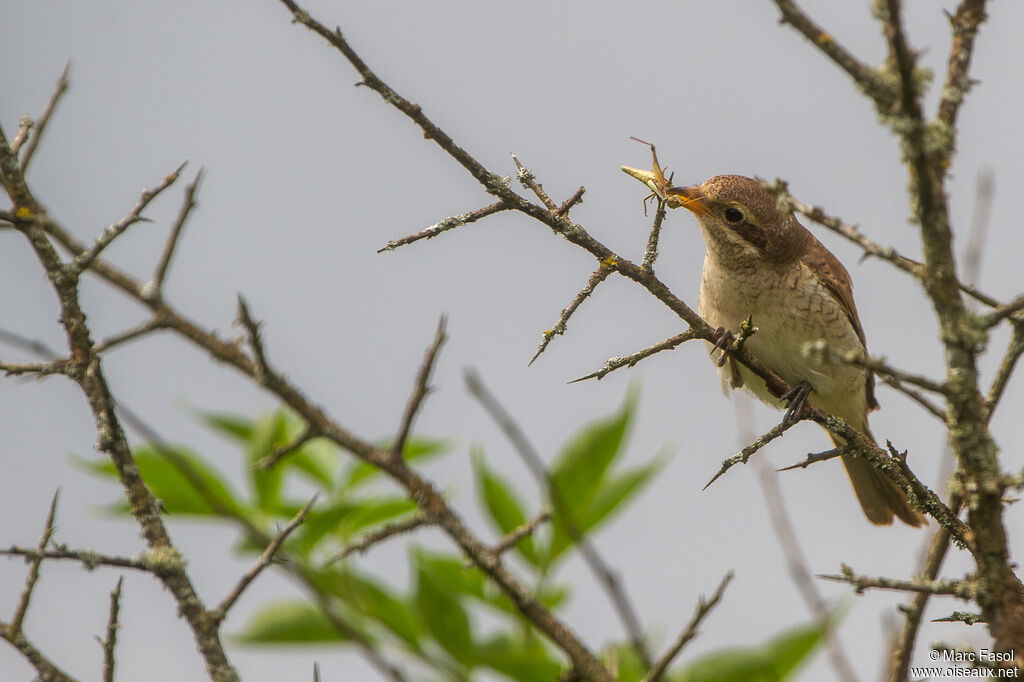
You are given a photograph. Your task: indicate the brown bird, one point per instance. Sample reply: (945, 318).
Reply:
(761, 262)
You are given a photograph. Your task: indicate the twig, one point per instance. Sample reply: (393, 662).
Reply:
(89, 558)
(44, 119)
(780, 188)
(614, 363)
(903, 645)
(110, 641)
(420, 389)
(817, 457)
(963, 589)
(961, 617)
(24, 126)
(445, 225)
(40, 369)
(383, 533)
(221, 612)
(576, 198)
(651, 252)
(1013, 352)
(969, 16)
(704, 607)
(916, 396)
(518, 533)
(527, 179)
(866, 78)
(83, 260)
(1003, 312)
(132, 334)
(604, 574)
(187, 204)
(34, 346)
(283, 451)
(252, 329)
(599, 275)
(743, 455)
(33, 571)
(48, 671)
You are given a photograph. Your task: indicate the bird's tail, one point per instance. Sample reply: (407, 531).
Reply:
(879, 497)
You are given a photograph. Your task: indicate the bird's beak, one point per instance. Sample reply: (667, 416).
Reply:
(691, 198)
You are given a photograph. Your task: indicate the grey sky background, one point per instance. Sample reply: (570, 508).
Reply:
(308, 176)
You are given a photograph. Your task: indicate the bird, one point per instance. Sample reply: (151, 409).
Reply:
(761, 263)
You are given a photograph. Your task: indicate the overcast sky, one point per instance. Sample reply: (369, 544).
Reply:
(308, 176)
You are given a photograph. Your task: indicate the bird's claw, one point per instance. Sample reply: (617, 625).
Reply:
(724, 340)
(796, 400)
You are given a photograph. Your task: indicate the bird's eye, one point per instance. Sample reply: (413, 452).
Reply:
(733, 215)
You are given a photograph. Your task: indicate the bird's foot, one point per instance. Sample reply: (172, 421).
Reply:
(796, 400)
(724, 340)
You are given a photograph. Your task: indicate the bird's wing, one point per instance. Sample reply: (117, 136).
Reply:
(834, 277)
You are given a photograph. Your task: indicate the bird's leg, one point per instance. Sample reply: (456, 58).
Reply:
(795, 399)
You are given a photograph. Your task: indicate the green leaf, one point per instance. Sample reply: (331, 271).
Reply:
(416, 449)
(371, 512)
(771, 662)
(503, 506)
(234, 427)
(373, 599)
(162, 472)
(581, 465)
(614, 492)
(270, 433)
(441, 610)
(524, 657)
(288, 622)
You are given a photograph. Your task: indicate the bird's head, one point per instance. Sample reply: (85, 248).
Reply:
(742, 223)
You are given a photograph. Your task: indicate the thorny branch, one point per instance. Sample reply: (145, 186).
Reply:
(704, 607)
(109, 642)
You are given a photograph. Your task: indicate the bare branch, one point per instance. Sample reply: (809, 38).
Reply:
(866, 78)
(33, 571)
(110, 641)
(383, 533)
(917, 397)
(596, 278)
(704, 607)
(903, 645)
(221, 612)
(963, 589)
(780, 188)
(604, 574)
(961, 617)
(1013, 352)
(449, 223)
(48, 672)
(132, 334)
(1003, 312)
(520, 532)
(89, 558)
(24, 126)
(743, 455)
(252, 329)
(420, 389)
(44, 119)
(39, 369)
(614, 363)
(283, 451)
(651, 252)
(814, 457)
(527, 179)
(83, 260)
(969, 16)
(187, 204)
